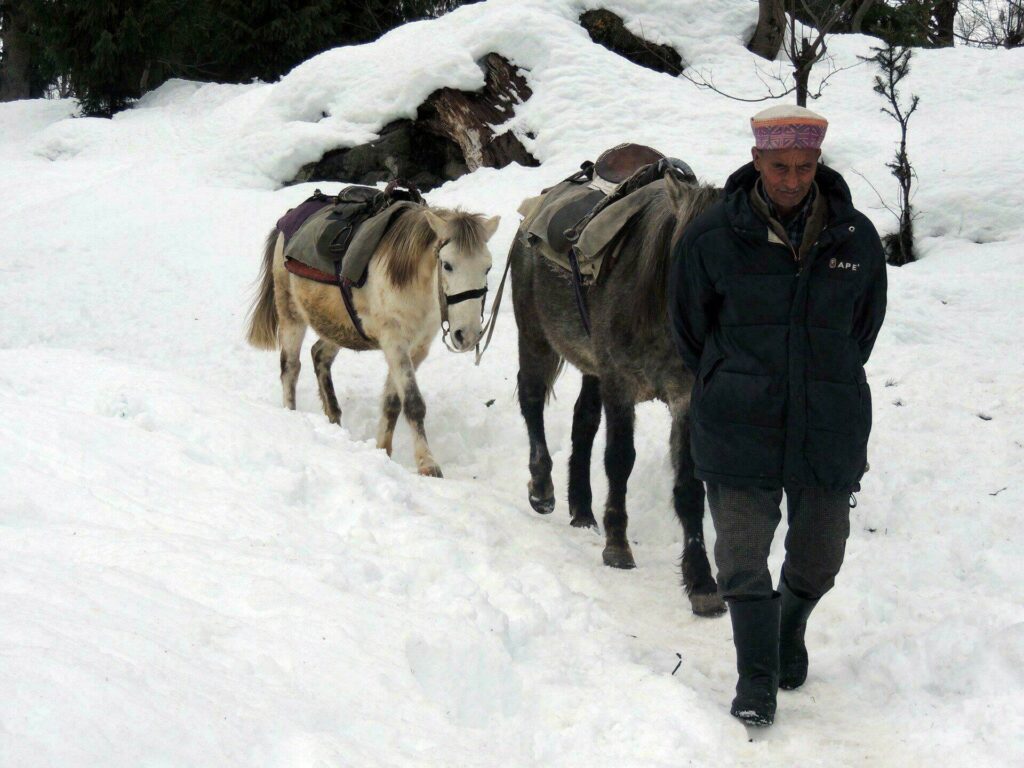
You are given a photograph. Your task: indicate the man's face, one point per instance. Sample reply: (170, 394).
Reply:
(787, 174)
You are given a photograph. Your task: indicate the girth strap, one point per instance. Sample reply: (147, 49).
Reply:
(345, 286)
(577, 288)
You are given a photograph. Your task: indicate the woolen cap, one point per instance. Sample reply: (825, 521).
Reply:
(788, 127)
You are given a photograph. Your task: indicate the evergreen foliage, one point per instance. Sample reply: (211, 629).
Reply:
(894, 65)
(110, 52)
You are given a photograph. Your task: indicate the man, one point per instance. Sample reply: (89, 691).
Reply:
(776, 296)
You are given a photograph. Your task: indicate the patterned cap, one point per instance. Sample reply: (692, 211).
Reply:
(788, 127)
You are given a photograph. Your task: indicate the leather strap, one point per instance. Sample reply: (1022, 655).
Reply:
(308, 272)
(344, 285)
(492, 321)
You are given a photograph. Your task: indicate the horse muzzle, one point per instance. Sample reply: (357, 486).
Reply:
(465, 339)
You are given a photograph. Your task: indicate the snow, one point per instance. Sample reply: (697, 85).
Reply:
(194, 576)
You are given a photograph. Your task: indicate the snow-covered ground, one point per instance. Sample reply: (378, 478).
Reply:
(192, 576)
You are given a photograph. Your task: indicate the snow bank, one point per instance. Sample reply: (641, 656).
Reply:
(193, 576)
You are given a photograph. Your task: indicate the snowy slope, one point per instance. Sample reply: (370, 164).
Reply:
(194, 576)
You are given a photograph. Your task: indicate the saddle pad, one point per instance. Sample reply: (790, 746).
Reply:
(290, 223)
(565, 217)
(326, 240)
(543, 215)
(599, 236)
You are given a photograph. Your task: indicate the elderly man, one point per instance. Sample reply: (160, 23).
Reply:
(776, 296)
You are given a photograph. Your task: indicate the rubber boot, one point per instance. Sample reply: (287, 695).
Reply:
(792, 651)
(755, 632)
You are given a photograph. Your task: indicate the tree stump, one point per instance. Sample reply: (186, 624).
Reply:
(607, 29)
(453, 134)
(771, 28)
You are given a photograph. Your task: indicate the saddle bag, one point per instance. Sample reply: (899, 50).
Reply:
(576, 223)
(338, 235)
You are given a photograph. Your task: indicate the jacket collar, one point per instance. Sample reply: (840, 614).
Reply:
(741, 213)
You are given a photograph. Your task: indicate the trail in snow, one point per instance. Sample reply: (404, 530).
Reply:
(194, 576)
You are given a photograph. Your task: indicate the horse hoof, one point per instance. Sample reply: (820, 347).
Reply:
(583, 521)
(707, 605)
(618, 557)
(542, 506)
(431, 470)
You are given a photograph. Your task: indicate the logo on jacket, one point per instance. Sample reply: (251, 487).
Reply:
(853, 266)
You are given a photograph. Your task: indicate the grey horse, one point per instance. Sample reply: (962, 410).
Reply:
(627, 358)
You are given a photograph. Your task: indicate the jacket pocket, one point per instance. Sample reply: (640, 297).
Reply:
(744, 398)
(864, 392)
(709, 373)
(835, 406)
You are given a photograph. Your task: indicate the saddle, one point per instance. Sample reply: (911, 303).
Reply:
(332, 238)
(576, 223)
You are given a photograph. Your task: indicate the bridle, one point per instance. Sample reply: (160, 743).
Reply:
(445, 301)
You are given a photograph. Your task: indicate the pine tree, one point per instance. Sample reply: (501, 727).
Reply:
(267, 38)
(110, 50)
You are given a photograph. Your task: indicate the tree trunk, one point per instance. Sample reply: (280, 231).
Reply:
(469, 119)
(859, 14)
(802, 76)
(16, 69)
(802, 65)
(771, 25)
(944, 15)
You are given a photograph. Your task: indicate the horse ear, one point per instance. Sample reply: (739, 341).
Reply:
(491, 226)
(439, 225)
(675, 189)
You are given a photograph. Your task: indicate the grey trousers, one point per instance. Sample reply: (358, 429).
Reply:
(745, 521)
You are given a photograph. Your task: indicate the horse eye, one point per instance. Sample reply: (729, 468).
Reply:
(447, 266)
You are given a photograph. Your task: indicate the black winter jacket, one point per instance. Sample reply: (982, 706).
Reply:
(778, 346)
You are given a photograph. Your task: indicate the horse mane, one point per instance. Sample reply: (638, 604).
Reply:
(408, 247)
(466, 230)
(658, 229)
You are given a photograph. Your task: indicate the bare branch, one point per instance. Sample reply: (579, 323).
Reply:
(878, 194)
(708, 83)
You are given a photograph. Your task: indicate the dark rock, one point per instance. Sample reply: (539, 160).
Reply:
(404, 150)
(607, 29)
(450, 137)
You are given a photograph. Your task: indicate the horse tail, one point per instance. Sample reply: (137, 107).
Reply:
(263, 314)
(549, 384)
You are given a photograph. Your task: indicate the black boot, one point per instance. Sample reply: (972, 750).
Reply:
(755, 632)
(792, 651)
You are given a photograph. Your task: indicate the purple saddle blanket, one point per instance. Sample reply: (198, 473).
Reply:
(289, 223)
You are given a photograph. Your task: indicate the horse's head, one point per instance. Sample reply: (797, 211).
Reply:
(463, 263)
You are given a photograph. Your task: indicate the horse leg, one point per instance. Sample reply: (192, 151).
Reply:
(291, 327)
(401, 370)
(324, 353)
(586, 418)
(391, 403)
(538, 367)
(390, 408)
(688, 500)
(289, 337)
(619, 455)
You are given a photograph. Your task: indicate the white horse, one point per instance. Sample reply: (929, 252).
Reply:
(431, 263)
